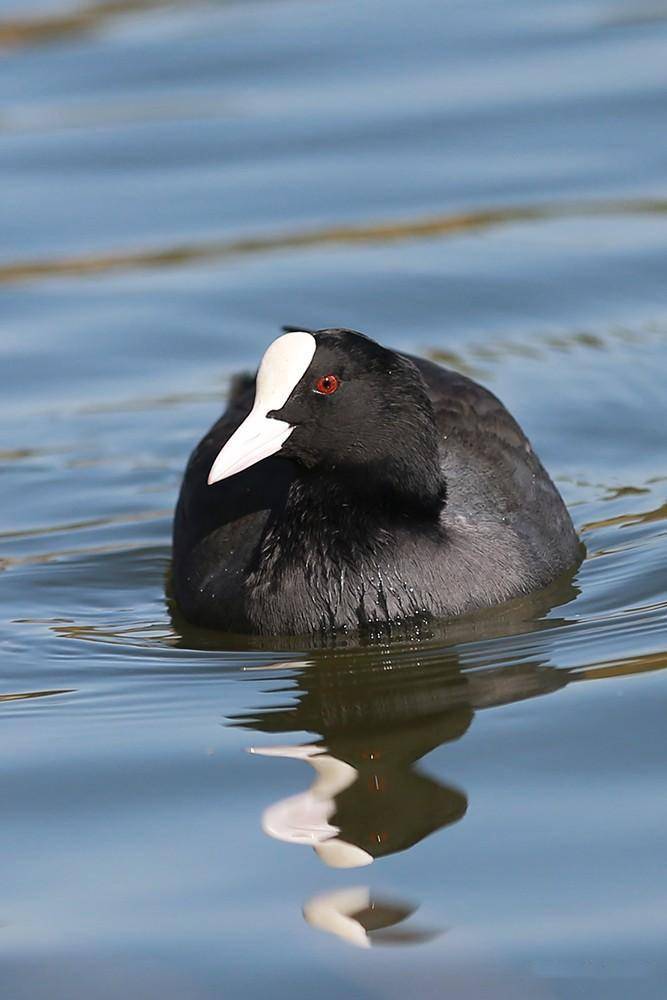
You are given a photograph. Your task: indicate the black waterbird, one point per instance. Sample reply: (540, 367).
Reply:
(349, 486)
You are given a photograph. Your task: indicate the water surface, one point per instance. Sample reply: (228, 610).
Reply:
(479, 813)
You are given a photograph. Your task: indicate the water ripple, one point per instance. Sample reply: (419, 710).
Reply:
(375, 232)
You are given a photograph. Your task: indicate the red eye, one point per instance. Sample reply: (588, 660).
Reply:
(326, 385)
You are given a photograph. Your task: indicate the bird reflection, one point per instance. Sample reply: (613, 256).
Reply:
(368, 799)
(362, 919)
(379, 710)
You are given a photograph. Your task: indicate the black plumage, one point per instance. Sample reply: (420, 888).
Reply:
(409, 493)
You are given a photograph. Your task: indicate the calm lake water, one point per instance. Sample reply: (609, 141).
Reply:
(484, 183)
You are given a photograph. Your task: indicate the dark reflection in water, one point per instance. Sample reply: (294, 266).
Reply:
(378, 711)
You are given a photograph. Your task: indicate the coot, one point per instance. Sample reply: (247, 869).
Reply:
(349, 486)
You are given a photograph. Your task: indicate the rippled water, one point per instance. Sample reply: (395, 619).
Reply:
(482, 183)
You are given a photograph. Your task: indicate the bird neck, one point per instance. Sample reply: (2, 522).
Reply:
(339, 519)
(392, 491)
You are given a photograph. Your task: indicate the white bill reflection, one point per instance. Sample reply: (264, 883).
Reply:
(305, 818)
(364, 920)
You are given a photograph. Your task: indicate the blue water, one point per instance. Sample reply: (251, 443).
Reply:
(480, 183)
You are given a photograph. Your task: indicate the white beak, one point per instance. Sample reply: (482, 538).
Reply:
(256, 438)
(284, 363)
